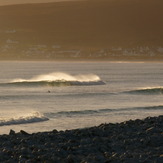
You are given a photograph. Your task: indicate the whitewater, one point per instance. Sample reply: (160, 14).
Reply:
(42, 96)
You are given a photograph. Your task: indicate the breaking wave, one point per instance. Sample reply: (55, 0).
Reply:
(100, 111)
(30, 118)
(59, 79)
(147, 91)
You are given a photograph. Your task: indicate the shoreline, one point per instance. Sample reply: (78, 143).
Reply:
(84, 60)
(129, 141)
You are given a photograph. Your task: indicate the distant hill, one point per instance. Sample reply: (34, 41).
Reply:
(11, 2)
(96, 29)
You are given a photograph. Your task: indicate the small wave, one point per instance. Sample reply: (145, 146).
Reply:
(147, 91)
(55, 83)
(99, 112)
(159, 107)
(30, 118)
(72, 113)
(59, 79)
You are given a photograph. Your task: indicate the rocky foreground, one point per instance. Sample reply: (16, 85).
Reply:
(132, 142)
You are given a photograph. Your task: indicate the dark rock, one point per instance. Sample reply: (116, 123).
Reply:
(132, 141)
(24, 132)
(12, 132)
(55, 131)
(70, 159)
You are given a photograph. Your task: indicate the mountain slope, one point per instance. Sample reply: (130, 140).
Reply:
(90, 24)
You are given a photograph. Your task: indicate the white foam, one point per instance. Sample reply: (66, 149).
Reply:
(150, 88)
(23, 119)
(60, 76)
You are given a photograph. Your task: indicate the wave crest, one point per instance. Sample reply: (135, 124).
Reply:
(60, 79)
(30, 118)
(100, 111)
(147, 91)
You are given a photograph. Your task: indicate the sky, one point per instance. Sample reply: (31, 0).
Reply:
(10, 2)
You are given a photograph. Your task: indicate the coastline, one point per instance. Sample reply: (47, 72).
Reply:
(112, 60)
(130, 141)
(82, 29)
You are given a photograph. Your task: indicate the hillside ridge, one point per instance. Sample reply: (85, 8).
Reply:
(88, 27)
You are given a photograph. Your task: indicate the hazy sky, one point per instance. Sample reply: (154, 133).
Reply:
(9, 2)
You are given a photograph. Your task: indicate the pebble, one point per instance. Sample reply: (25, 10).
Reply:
(130, 141)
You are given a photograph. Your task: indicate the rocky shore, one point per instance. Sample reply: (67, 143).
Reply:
(132, 141)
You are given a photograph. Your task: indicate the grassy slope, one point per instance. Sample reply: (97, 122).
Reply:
(85, 24)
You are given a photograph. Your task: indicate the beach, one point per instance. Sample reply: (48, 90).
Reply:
(130, 141)
(81, 81)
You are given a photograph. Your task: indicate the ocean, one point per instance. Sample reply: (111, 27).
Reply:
(42, 96)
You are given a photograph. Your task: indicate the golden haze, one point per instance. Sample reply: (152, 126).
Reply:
(88, 24)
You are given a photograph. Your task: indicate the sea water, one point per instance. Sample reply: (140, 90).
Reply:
(42, 96)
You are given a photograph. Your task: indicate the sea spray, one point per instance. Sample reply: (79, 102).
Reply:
(59, 79)
(23, 119)
(59, 76)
